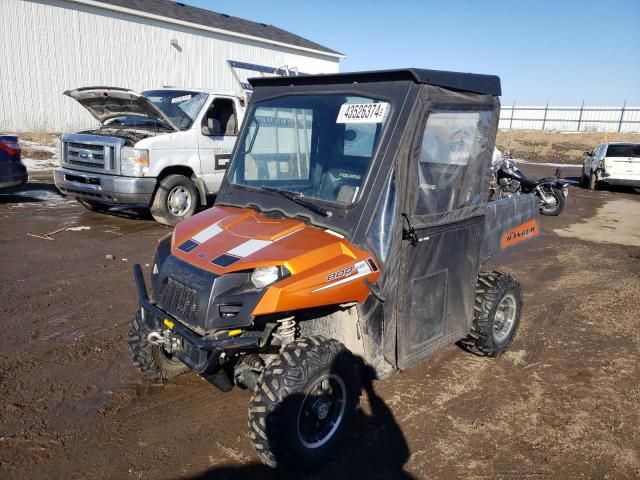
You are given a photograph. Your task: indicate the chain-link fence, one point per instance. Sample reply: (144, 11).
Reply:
(571, 119)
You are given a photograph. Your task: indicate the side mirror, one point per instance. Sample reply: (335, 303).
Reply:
(589, 154)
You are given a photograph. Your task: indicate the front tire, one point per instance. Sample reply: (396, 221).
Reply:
(303, 402)
(176, 198)
(152, 360)
(557, 207)
(497, 312)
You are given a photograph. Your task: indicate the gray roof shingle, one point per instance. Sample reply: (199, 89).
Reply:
(208, 18)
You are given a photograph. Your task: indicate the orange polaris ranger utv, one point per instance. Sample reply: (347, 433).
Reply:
(351, 228)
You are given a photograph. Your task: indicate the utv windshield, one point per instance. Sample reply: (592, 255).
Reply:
(180, 106)
(316, 147)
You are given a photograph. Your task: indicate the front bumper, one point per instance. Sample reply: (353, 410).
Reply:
(110, 189)
(200, 352)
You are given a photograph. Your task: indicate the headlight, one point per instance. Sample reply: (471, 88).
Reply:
(263, 276)
(134, 162)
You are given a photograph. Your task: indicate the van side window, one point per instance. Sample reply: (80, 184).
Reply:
(449, 163)
(221, 117)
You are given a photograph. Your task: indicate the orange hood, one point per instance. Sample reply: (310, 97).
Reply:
(322, 263)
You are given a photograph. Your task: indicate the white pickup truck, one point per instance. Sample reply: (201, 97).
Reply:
(612, 163)
(166, 148)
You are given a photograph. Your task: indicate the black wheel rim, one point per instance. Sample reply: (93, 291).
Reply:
(322, 411)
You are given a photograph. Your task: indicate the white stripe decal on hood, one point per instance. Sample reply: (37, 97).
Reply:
(252, 246)
(247, 248)
(207, 234)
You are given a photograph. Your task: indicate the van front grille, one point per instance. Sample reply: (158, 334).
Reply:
(87, 155)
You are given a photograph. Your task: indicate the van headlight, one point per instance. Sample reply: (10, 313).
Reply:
(134, 162)
(264, 276)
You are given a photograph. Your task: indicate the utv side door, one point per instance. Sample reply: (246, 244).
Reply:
(219, 131)
(443, 223)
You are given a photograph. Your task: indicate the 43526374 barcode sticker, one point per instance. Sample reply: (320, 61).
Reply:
(362, 112)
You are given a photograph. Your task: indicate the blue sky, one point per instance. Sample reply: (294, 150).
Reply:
(560, 51)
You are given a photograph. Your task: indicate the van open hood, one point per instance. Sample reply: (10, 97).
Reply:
(105, 103)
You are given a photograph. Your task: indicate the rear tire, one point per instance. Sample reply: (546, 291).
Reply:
(593, 181)
(497, 310)
(176, 198)
(584, 181)
(303, 402)
(91, 205)
(558, 208)
(152, 360)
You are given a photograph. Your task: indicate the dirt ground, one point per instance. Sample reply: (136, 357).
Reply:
(559, 147)
(564, 402)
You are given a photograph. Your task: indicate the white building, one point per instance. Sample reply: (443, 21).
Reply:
(50, 46)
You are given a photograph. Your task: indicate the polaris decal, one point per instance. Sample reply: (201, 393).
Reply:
(520, 233)
(349, 274)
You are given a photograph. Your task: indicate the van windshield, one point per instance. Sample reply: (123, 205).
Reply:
(314, 146)
(180, 106)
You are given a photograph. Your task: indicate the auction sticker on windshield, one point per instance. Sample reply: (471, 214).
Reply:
(183, 98)
(362, 112)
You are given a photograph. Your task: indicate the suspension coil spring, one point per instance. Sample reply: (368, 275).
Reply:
(286, 330)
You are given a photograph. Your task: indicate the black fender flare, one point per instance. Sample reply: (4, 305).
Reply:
(202, 190)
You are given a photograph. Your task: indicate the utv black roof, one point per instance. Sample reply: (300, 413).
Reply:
(467, 82)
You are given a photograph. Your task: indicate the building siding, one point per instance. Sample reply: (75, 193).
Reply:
(55, 45)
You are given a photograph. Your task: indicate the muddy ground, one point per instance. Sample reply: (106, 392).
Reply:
(564, 402)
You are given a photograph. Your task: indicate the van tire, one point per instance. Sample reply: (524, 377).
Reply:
(494, 291)
(176, 198)
(303, 403)
(152, 360)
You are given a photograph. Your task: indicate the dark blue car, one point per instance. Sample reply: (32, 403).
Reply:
(12, 172)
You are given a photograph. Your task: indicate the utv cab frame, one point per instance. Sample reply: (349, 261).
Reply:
(350, 229)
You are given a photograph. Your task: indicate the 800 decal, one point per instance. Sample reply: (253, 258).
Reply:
(340, 273)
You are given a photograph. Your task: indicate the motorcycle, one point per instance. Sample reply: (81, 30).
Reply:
(509, 180)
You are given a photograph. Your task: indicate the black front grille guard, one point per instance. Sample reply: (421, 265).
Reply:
(246, 341)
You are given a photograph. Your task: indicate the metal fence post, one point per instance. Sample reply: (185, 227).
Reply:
(513, 110)
(544, 119)
(580, 116)
(621, 116)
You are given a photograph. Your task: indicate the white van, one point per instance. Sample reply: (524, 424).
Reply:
(612, 163)
(166, 148)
